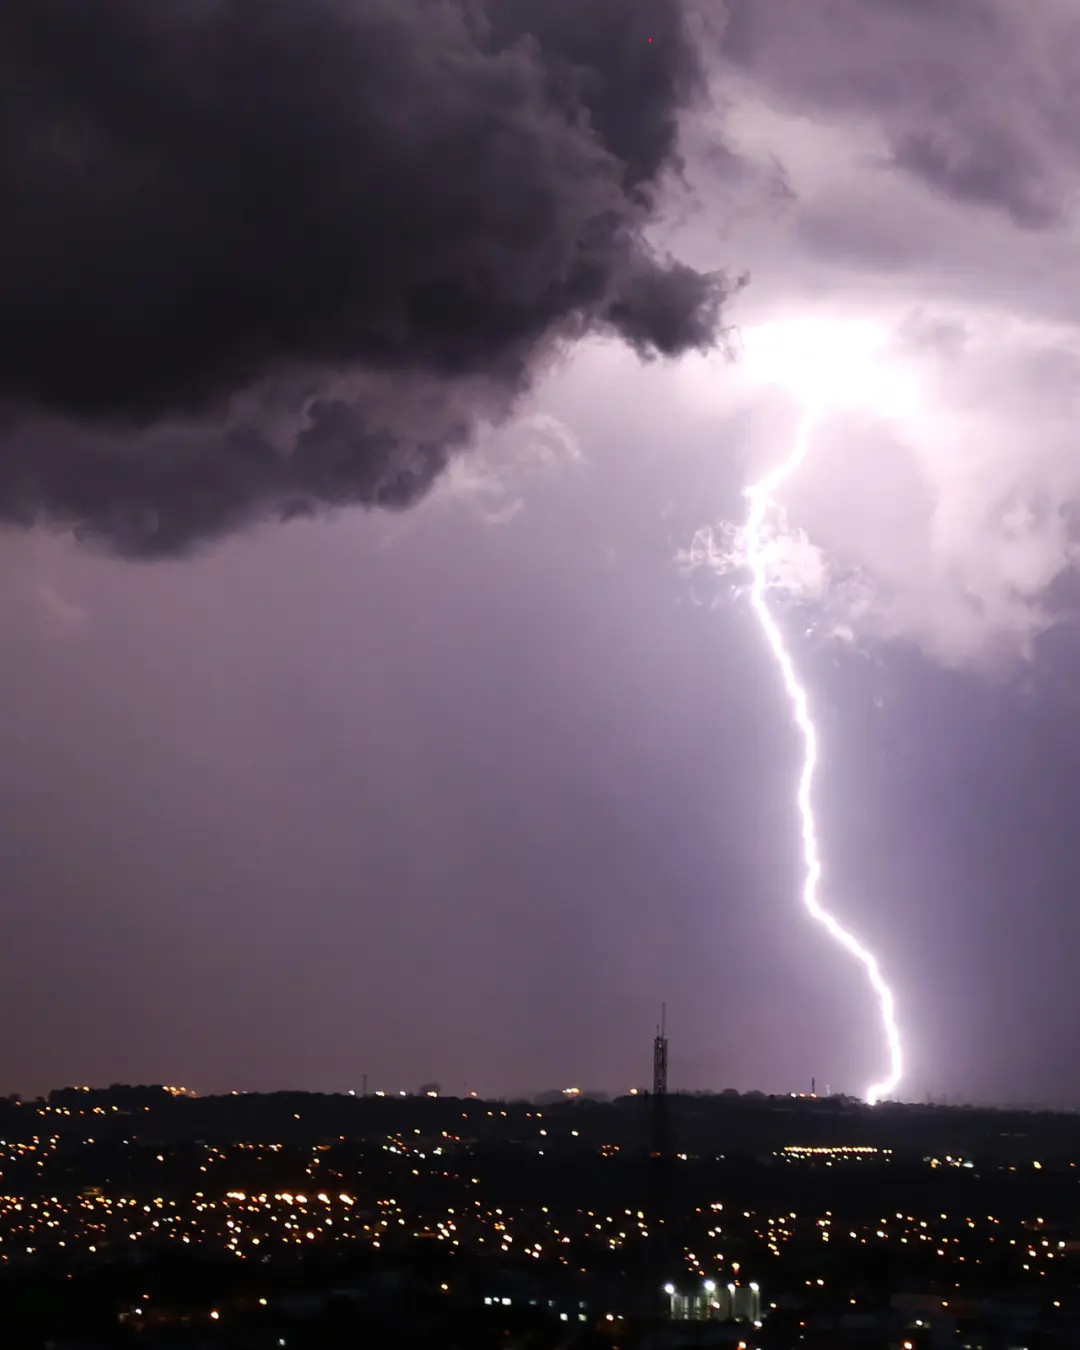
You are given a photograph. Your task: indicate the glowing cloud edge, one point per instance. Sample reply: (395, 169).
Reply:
(760, 497)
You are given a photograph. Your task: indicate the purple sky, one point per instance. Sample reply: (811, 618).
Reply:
(464, 793)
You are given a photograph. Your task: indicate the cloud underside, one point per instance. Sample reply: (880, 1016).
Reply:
(269, 258)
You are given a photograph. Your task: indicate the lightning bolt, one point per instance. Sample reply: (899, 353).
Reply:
(760, 496)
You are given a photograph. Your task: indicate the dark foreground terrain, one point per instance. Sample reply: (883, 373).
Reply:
(147, 1217)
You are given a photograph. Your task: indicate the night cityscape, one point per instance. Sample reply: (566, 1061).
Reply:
(149, 1216)
(539, 667)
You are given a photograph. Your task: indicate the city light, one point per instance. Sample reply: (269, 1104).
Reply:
(322, 1205)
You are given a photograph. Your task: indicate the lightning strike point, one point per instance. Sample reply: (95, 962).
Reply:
(760, 497)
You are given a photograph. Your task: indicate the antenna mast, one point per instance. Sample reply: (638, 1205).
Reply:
(659, 1155)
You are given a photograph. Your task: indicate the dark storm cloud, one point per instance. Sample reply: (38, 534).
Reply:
(976, 99)
(261, 256)
(988, 167)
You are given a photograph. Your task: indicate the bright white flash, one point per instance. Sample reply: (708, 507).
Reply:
(761, 500)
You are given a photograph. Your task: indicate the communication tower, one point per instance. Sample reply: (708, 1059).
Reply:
(659, 1087)
(658, 1158)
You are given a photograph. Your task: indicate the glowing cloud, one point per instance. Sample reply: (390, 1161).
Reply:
(830, 364)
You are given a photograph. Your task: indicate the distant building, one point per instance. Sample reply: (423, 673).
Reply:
(712, 1302)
